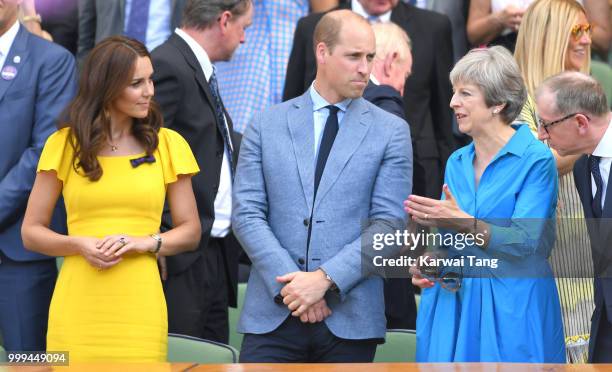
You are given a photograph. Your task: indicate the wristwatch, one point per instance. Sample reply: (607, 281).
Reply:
(159, 243)
(333, 288)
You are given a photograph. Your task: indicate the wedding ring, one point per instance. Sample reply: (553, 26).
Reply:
(426, 216)
(122, 241)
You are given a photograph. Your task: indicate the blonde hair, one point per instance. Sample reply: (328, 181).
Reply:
(543, 37)
(390, 38)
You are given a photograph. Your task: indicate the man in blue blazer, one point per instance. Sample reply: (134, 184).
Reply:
(575, 119)
(317, 176)
(37, 80)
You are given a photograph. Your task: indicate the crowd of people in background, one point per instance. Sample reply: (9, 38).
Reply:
(162, 146)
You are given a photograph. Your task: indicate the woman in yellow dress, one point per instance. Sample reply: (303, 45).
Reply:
(114, 166)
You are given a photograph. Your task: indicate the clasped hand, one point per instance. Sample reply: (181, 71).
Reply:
(107, 252)
(303, 294)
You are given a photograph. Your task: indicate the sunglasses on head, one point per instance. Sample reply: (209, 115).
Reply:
(581, 29)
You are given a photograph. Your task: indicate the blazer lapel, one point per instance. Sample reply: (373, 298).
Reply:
(353, 129)
(192, 61)
(122, 14)
(301, 129)
(402, 13)
(18, 49)
(606, 214)
(583, 184)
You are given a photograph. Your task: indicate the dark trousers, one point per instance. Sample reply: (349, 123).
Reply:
(600, 347)
(294, 341)
(197, 298)
(25, 294)
(400, 305)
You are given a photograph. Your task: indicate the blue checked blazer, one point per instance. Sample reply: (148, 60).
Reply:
(367, 176)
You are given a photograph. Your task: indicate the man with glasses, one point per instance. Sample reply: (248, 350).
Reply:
(575, 119)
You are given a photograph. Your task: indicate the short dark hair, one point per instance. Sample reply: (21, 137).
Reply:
(329, 26)
(201, 14)
(327, 31)
(575, 92)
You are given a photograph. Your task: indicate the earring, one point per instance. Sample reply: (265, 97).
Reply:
(105, 115)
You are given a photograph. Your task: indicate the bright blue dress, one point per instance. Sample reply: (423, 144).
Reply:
(505, 314)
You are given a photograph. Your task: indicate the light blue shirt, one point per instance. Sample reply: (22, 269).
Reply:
(320, 114)
(159, 26)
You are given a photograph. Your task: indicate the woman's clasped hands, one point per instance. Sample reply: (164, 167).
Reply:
(107, 252)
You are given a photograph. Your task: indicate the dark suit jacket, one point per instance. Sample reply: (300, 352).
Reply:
(184, 95)
(29, 107)
(600, 233)
(60, 18)
(427, 92)
(111, 16)
(385, 97)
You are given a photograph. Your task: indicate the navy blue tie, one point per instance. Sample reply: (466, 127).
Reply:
(329, 135)
(139, 20)
(223, 129)
(594, 167)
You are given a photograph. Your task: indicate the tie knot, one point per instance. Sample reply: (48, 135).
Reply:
(333, 110)
(372, 19)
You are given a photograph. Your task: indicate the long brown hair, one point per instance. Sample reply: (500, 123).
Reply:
(107, 71)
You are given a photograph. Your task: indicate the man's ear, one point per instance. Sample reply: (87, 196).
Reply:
(388, 62)
(224, 20)
(583, 123)
(321, 52)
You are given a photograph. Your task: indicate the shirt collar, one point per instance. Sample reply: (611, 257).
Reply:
(604, 147)
(6, 40)
(319, 102)
(517, 145)
(200, 53)
(358, 8)
(519, 142)
(374, 79)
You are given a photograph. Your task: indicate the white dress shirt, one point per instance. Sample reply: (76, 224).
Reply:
(604, 150)
(6, 41)
(223, 199)
(358, 8)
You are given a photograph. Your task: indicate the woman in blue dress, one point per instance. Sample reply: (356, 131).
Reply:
(502, 186)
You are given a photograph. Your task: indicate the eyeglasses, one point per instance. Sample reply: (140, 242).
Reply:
(544, 125)
(450, 281)
(581, 29)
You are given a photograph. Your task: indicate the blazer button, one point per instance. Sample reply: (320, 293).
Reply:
(306, 221)
(278, 299)
(219, 154)
(301, 261)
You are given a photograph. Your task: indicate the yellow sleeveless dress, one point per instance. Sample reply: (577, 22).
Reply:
(118, 314)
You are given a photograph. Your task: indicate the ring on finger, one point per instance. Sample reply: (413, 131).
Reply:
(426, 216)
(122, 241)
